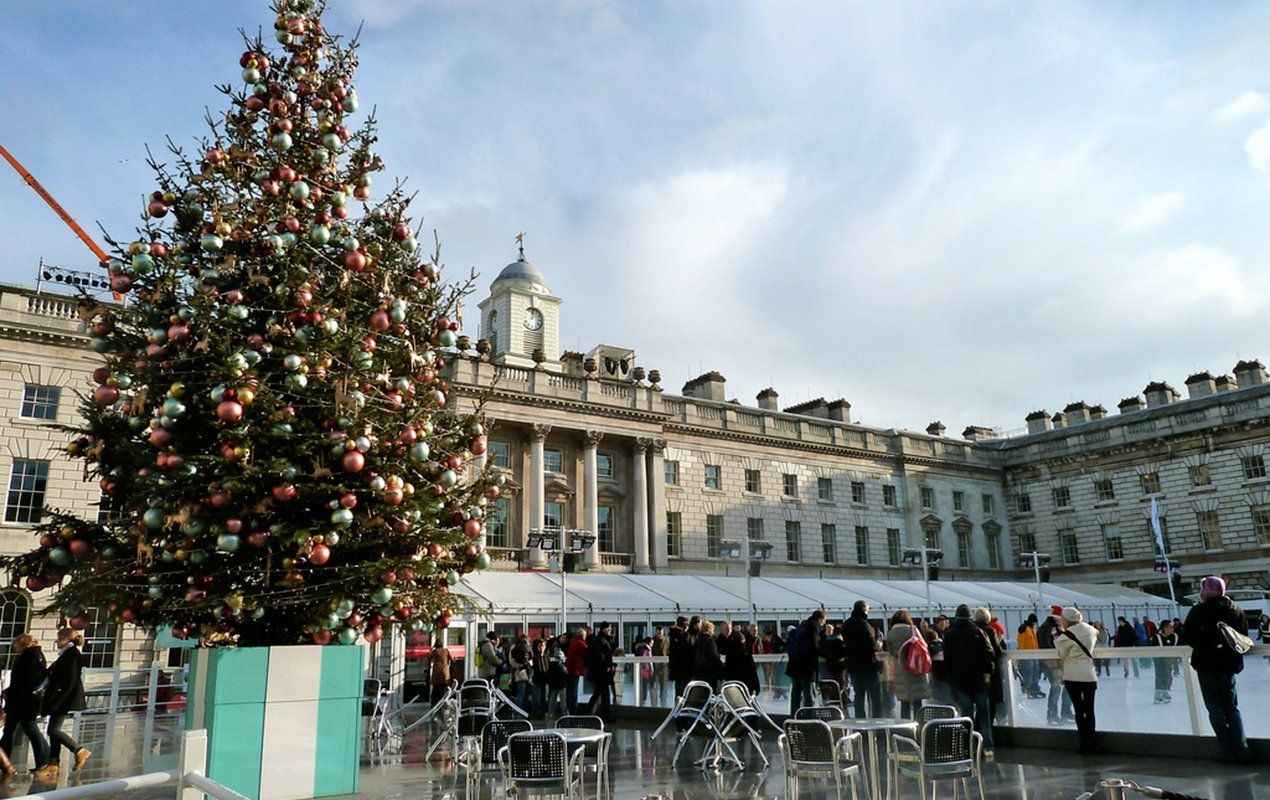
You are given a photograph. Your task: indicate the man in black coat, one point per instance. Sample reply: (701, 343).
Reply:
(803, 665)
(65, 694)
(969, 661)
(1216, 664)
(707, 664)
(860, 641)
(1045, 634)
(600, 671)
(21, 704)
(680, 655)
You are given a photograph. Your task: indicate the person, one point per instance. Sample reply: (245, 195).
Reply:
(557, 677)
(1045, 635)
(661, 672)
(490, 661)
(643, 649)
(1075, 645)
(575, 663)
(1029, 671)
(65, 693)
(21, 703)
(938, 674)
(970, 660)
(600, 671)
(942, 624)
(1103, 665)
(1150, 627)
(770, 646)
(803, 666)
(439, 661)
(1127, 636)
(521, 669)
(680, 654)
(739, 665)
(1216, 664)
(834, 652)
(863, 648)
(1164, 637)
(707, 664)
(7, 771)
(983, 618)
(539, 667)
(909, 687)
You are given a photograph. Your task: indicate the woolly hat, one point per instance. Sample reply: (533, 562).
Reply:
(1056, 610)
(1212, 586)
(1072, 615)
(963, 611)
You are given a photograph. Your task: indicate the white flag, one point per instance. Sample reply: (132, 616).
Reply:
(1155, 525)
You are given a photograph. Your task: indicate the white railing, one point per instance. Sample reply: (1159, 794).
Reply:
(191, 781)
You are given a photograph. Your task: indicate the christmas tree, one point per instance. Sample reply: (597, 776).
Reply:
(269, 427)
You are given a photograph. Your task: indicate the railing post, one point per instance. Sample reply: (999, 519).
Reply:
(1010, 688)
(1193, 698)
(192, 760)
(635, 682)
(151, 703)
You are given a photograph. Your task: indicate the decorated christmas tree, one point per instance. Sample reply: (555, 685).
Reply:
(277, 455)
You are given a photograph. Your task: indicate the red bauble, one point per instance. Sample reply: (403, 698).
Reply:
(443, 621)
(394, 497)
(354, 259)
(354, 461)
(472, 528)
(283, 492)
(454, 462)
(101, 375)
(471, 551)
(160, 437)
(221, 500)
(400, 231)
(379, 321)
(477, 445)
(48, 541)
(435, 549)
(178, 333)
(157, 208)
(348, 500)
(388, 578)
(79, 622)
(319, 554)
(257, 539)
(409, 435)
(322, 637)
(229, 411)
(80, 547)
(234, 525)
(105, 395)
(354, 620)
(492, 492)
(120, 283)
(373, 634)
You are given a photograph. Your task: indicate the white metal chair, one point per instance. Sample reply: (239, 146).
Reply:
(480, 757)
(896, 753)
(808, 748)
(541, 761)
(695, 714)
(738, 712)
(375, 703)
(946, 750)
(590, 722)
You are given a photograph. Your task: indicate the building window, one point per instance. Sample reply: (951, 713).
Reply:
(714, 534)
(40, 402)
(963, 549)
(789, 484)
(1104, 490)
(1261, 524)
(604, 465)
(101, 640)
(1062, 497)
(1150, 483)
(1027, 542)
(753, 481)
(27, 483)
(1254, 467)
(672, 473)
(861, 544)
(1164, 534)
(607, 533)
(500, 454)
(1022, 503)
(828, 536)
(894, 548)
(553, 461)
(993, 541)
(1071, 550)
(824, 489)
(793, 535)
(754, 529)
(714, 476)
(1111, 539)
(15, 618)
(1209, 529)
(959, 501)
(888, 495)
(989, 504)
(553, 515)
(1199, 475)
(674, 534)
(928, 497)
(496, 524)
(932, 538)
(857, 492)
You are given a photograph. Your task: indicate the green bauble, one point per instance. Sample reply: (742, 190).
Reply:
(211, 242)
(342, 517)
(281, 141)
(153, 518)
(348, 635)
(419, 451)
(331, 621)
(228, 542)
(319, 234)
(60, 556)
(381, 596)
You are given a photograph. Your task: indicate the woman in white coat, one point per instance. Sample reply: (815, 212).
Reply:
(1075, 647)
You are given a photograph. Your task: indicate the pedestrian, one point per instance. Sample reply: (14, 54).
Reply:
(575, 663)
(557, 677)
(970, 659)
(1127, 636)
(1163, 667)
(643, 650)
(996, 686)
(1075, 647)
(22, 702)
(679, 651)
(834, 652)
(439, 661)
(1216, 664)
(489, 663)
(939, 689)
(520, 664)
(803, 666)
(1151, 628)
(770, 646)
(65, 694)
(661, 670)
(1102, 665)
(863, 649)
(707, 664)
(600, 671)
(1029, 670)
(908, 686)
(1045, 635)
(739, 665)
(540, 665)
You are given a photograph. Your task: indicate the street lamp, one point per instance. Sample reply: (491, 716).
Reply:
(928, 557)
(1036, 561)
(566, 544)
(754, 552)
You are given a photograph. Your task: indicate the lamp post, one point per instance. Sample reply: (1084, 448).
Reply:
(928, 557)
(1036, 560)
(753, 553)
(561, 542)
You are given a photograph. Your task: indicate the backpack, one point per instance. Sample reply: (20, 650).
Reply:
(479, 658)
(914, 654)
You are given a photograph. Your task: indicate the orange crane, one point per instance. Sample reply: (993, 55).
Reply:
(53, 204)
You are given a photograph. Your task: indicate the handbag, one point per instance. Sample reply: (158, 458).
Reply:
(1235, 640)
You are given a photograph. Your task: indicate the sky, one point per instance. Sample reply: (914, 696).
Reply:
(952, 211)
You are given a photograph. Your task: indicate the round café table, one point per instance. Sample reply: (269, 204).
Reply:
(869, 729)
(575, 738)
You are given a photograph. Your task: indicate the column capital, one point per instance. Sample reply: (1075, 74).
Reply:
(539, 432)
(593, 438)
(641, 444)
(658, 446)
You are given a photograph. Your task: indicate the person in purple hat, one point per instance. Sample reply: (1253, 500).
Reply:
(1217, 663)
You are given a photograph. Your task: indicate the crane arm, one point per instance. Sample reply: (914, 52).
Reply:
(53, 204)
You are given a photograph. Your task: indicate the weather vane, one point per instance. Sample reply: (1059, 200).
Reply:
(520, 243)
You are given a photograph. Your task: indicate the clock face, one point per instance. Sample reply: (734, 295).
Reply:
(533, 320)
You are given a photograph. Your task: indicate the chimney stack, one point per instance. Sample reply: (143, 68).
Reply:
(1076, 413)
(768, 400)
(1097, 412)
(1038, 421)
(1250, 373)
(1224, 383)
(936, 428)
(976, 433)
(1131, 404)
(1059, 420)
(710, 386)
(1201, 384)
(840, 410)
(1159, 393)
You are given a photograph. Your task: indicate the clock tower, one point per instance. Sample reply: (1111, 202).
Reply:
(521, 315)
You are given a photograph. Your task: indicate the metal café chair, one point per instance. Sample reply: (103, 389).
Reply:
(475, 708)
(831, 693)
(375, 701)
(808, 748)
(540, 760)
(600, 750)
(822, 713)
(946, 750)
(738, 713)
(482, 758)
(896, 753)
(694, 714)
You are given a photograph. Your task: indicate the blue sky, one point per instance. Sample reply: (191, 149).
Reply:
(954, 211)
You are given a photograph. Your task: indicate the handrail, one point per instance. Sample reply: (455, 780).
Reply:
(108, 788)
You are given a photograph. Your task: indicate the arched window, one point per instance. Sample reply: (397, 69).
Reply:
(15, 618)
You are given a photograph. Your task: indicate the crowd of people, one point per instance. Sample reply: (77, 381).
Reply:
(38, 690)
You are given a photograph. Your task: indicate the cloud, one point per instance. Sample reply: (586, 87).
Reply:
(1151, 210)
(1257, 146)
(1244, 105)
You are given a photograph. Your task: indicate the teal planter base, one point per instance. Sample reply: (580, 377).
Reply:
(283, 723)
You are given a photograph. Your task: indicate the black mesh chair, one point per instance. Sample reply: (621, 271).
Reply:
(899, 752)
(476, 761)
(540, 760)
(823, 713)
(831, 693)
(946, 750)
(586, 722)
(600, 749)
(809, 748)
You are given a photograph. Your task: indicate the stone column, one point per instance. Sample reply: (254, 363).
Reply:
(591, 497)
(537, 488)
(640, 498)
(657, 501)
